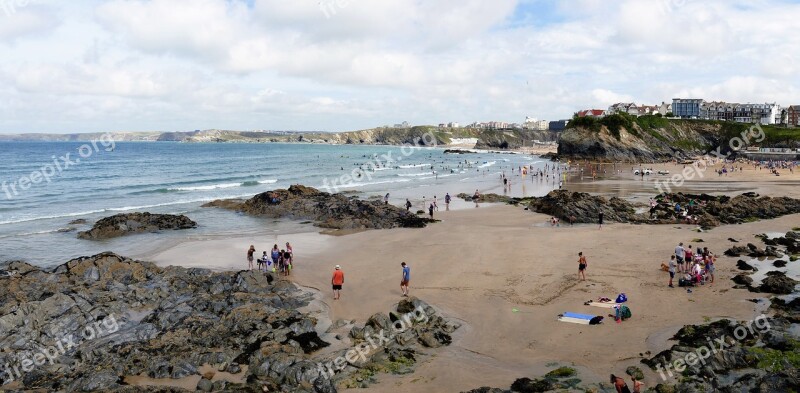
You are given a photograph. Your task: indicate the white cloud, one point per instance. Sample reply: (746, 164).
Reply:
(165, 64)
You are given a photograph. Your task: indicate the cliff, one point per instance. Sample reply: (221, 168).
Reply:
(649, 138)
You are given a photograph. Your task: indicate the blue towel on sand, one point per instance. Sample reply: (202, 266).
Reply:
(579, 316)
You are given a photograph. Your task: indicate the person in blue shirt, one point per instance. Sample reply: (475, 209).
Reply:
(406, 279)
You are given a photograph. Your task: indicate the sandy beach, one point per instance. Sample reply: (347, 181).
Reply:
(506, 274)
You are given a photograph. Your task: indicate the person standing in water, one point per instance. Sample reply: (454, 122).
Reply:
(250, 256)
(582, 264)
(406, 278)
(337, 281)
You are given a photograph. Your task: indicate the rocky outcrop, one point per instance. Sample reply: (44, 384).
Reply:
(636, 143)
(710, 211)
(754, 353)
(94, 322)
(326, 210)
(485, 198)
(580, 207)
(131, 223)
(778, 283)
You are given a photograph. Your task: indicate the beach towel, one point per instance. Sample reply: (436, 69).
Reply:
(579, 316)
(581, 319)
(574, 320)
(601, 305)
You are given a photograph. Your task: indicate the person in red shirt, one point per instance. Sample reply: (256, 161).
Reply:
(337, 281)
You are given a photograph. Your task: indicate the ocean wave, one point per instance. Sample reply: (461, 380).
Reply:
(355, 185)
(122, 209)
(30, 233)
(76, 214)
(211, 187)
(206, 188)
(413, 166)
(414, 174)
(487, 164)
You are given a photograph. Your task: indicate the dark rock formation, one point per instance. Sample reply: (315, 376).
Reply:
(742, 265)
(486, 198)
(710, 211)
(130, 223)
(128, 318)
(778, 283)
(326, 210)
(583, 207)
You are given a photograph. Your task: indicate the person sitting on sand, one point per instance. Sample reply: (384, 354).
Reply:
(619, 384)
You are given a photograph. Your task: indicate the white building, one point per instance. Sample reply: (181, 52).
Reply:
(741, 113)
(536, 125)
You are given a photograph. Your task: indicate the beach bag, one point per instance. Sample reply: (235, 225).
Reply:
(684, 282)
(596, 320)
(621, 298)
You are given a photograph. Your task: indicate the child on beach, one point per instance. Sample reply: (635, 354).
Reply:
(250, 256)
(582, 264)
(671, 270)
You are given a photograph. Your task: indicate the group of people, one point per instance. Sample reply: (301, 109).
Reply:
(337, 281)
(694, 266)
(622, 387)
(278, 260)
(433, 207)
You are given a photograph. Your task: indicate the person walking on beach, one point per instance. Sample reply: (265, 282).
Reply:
(406, 278)
(582, 264)
(600, 219)
(250, 256)
(430, 210)
(435, 205)
(408, 205)
(671, 270)
(337, 281)
(447, 202)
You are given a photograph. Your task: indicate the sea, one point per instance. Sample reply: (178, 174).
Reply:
(47, 186)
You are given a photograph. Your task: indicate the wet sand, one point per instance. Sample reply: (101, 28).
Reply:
(478, 265)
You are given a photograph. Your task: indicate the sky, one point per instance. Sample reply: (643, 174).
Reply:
(337, 65)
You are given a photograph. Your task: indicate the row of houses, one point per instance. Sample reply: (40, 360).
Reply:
(529, 124)
(767, 113)
(696, 108)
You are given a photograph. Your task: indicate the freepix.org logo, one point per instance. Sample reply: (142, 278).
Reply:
(54, 169)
